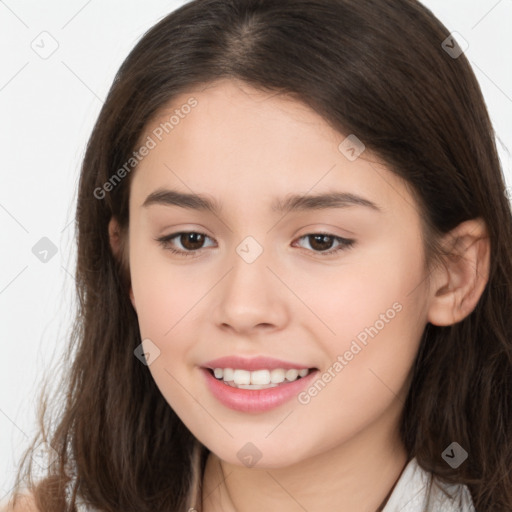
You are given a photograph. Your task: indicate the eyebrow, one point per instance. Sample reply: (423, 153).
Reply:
(168, 197)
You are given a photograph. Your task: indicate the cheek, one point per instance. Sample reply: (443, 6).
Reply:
(374, 309)
(378, 317)
(163, 293)
(372, 282)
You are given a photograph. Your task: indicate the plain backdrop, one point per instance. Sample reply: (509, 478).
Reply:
(58, 61)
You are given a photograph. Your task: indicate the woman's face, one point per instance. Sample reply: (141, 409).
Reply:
(255, 284)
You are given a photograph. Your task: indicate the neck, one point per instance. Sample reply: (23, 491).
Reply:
(354, 476)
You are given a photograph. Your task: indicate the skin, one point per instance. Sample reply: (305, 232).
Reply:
(243, 147)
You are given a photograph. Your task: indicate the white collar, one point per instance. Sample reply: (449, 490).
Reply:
(411, 493)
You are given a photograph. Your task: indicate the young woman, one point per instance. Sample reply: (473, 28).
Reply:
(294, 273)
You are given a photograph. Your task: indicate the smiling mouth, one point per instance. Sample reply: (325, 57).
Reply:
(258, 379)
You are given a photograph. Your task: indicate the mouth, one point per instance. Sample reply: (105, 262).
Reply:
(259, 379)
(253, 391)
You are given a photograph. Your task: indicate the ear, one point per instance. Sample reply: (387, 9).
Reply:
(458, 284)
(116, 245)
(114, 233)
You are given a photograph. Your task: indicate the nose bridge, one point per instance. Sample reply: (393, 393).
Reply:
(251, 294)
(249, 275)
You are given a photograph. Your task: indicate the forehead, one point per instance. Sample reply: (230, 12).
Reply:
(238, 143)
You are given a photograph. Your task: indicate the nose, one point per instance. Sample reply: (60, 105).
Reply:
(252, 298)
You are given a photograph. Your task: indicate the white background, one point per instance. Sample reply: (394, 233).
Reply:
(48, 107)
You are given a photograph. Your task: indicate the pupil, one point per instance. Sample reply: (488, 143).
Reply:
(189, 239)
(321, 239)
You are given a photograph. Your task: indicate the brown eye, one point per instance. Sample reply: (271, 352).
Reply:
(322, 243)
(192, 241)
(188, 242)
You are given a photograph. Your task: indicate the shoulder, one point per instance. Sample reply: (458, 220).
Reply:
(24, 503)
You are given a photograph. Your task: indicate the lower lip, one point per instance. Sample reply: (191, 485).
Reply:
(255, 400)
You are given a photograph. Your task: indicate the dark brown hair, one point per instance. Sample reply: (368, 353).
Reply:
(375, 69)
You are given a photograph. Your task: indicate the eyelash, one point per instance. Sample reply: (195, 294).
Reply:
(345, 243)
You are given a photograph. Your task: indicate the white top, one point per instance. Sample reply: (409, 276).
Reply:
(411, 492)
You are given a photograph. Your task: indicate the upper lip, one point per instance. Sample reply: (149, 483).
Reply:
(250, 364)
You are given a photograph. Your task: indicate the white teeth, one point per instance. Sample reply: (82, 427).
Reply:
(226, 374)
(277, 375)
(258, 379)
(292, 375)
(242, 377)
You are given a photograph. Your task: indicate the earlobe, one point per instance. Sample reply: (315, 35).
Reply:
(458, 284)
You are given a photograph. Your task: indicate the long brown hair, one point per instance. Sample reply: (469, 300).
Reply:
(376, 69)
